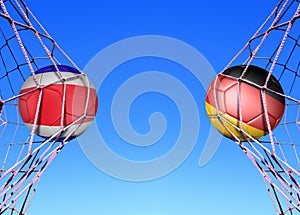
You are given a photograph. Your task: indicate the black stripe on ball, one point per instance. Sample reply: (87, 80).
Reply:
(258, 76)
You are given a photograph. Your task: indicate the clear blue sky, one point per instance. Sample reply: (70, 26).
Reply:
(228, 184)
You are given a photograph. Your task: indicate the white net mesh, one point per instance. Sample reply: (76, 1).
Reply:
(25, 47)
(275, 47)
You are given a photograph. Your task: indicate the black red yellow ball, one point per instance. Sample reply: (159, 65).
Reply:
(234, 102)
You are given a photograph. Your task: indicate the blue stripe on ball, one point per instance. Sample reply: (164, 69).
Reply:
(59, 139)
(62, 68)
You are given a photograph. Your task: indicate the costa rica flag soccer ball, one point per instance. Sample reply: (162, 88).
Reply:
(234, 102)
(68, 103)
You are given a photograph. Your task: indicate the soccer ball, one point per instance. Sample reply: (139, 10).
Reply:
(61, 103)
(235, 105)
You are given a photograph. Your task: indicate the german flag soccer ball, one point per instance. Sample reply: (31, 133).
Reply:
(235, 104)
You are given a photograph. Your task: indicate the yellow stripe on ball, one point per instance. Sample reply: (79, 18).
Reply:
(225, 120)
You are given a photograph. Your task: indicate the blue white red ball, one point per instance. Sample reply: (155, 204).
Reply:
(68, 102)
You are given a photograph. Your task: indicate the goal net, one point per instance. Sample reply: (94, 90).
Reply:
(275, 48)
(25, 47)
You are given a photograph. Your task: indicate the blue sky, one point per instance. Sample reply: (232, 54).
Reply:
(228, 184)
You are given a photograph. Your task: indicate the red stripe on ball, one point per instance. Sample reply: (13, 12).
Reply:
(52, 101)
